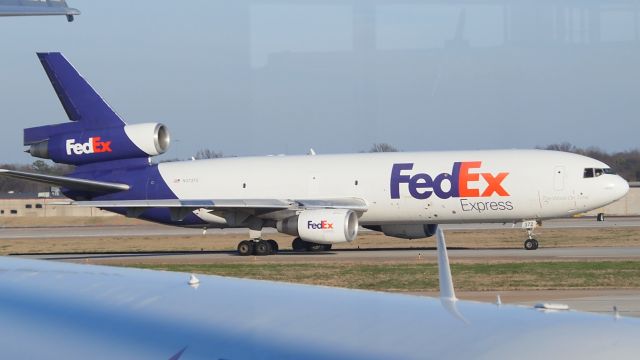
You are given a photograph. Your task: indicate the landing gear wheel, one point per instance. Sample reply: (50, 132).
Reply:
(274, 246)
(298, 245)
(600, 217)
(531, 244)
(262, 248)
(245, 248)
(326, 247)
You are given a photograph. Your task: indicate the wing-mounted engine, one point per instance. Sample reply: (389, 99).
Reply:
(82, 146)
(406, 231)
(322, 226)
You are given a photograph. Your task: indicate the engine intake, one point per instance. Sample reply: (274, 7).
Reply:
(326, 226)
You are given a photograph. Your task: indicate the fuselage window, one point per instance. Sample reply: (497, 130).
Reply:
(588, 173)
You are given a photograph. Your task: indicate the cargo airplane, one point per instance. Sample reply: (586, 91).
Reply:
(319, 199)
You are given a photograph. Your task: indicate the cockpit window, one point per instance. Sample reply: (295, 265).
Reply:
(588, 173)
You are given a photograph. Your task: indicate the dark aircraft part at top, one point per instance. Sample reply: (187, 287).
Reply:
(37, 8)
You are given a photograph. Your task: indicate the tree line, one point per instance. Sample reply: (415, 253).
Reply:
(625, 163)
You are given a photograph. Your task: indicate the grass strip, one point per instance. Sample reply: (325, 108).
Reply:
(424, 277)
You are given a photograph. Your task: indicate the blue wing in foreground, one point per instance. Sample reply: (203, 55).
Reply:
(78, 311)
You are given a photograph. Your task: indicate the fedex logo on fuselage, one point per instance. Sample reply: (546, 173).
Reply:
(322, 225)
(94, 145)
(463, 182)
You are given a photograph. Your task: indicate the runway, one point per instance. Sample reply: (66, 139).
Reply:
(162, 230)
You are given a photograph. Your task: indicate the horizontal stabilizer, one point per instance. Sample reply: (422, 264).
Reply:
(67, 182)
(81, 102)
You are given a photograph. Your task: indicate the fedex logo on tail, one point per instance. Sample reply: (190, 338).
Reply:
(94, 145)
(463, 182)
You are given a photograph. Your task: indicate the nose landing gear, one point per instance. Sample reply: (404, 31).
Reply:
(530, 243)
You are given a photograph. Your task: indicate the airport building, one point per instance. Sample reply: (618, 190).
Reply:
(46, 204)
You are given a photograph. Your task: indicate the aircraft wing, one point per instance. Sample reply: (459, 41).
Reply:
(37, 7)
(74, 183)
(66, 181)
(355, 204)
(78, 311)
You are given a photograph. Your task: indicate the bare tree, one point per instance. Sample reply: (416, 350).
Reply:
(382, 147)
(208, 154)
(565, 146)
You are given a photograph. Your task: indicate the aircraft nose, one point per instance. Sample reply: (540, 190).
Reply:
(618, 187)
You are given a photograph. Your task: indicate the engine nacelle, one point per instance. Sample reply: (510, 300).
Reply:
(407, 231)
(115, 143)
(325, 226)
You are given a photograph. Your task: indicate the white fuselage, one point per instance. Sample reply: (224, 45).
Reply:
(488, 186)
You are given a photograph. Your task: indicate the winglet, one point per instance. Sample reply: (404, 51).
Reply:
(446, 282)
(80, 101)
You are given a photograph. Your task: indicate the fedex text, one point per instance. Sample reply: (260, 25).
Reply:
(94, 145)
(462, 182)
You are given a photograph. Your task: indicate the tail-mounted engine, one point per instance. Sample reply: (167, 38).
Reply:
(325, 226)
(64, 144)
(95, 133)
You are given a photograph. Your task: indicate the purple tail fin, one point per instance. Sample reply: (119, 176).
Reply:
(96, 134)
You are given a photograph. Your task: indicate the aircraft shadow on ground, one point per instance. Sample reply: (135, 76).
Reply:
(123, 254)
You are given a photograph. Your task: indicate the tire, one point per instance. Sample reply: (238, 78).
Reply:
(262, 248)
(600, 217)
(245, 248)
(274, 246)
(298, 245)
(326, 247)
(531, 244)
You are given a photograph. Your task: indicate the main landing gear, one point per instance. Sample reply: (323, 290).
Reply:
(530, 243)
(301, 245)
(257, 247)
(260, 247)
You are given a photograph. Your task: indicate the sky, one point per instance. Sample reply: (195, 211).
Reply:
(279, 77)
